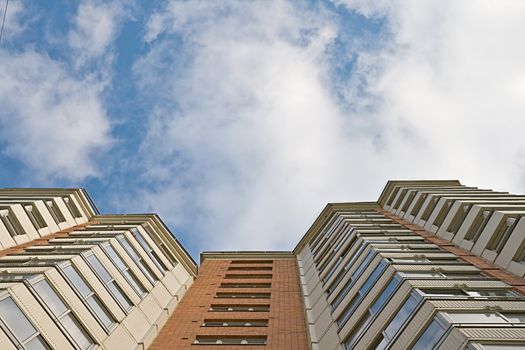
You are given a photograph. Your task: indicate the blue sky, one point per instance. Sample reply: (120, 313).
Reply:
(238, 121)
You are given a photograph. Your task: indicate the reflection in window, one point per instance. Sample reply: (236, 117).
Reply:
(16, 324)
(361, 293)
(144, 268)
(125, 270)
(89, 297)
(149, 250)
(431, 336)
(394, 327)
(62, 314)
(109, 281)
(373, 311)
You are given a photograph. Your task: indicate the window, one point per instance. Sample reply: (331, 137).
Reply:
(397, 323)
(110, 283)
(11, 223)
(400, 199)
(430, 208)
(408, 201)
(443, 213)
(125, 270)
(419, 204)
(149, 250)
(55, 212)
(36, 218)
(355, 276)
(70, 204)
(345, 269)
(239, 340)
(480, 293)
(245, 285)
(89, 297)
(372, 312)
(248, 276)
(252, 261)
(423, 260)
(18, 327)
(235, 323)
(478, 317)
(240, 308)
(339, 261)
(431, 336)
(458, 219)
(454, 275)
(249, 268)
(361, 293)
(143, 266)
(244, 295)
(62, 314)
(502, 234)
(478, 225)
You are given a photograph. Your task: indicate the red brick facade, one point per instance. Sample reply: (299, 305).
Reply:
(286, 328)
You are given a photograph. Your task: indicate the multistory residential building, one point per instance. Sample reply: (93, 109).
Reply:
(71, 278)
(429, 265)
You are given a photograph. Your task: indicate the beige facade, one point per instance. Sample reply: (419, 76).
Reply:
(71, 278)
(425, 267)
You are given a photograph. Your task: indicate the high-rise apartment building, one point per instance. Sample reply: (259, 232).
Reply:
(430, 265)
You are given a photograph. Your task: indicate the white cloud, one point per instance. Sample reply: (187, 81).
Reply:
(95, 27)
(255, 145)
(451, 76)
(247, 140)
(51, 121)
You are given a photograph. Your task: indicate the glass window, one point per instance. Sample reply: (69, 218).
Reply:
(89, 296)
(125, 270)
(376, 307)
(361, 293)
(476, 317)
(240, 340)
(109, 281)
(142, 265)
(396, 324)
(62, 314)
(355, 276)
(149, 250)
(19, 326)
(431, 336)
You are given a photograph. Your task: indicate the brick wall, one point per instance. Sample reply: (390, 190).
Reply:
(286, 327)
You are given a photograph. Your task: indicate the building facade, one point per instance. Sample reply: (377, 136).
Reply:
(429, 265)
(71, 278)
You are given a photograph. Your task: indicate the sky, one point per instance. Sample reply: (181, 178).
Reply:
(237, 121)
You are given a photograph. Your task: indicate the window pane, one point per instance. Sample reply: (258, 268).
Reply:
(387, 293)
(16, 320)
(99, 268)
(430, 337)
(115, 257)
(36, 343)
(119, 294)
(77, 281)
(473, 317)
(515, 318)
(404, 313)
(100, 311)
(46, 292)
(76, 331)
(134, 282)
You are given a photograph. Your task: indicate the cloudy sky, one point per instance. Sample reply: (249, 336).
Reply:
(238, 121)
